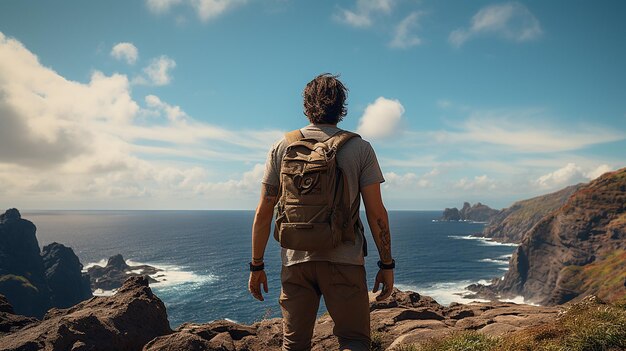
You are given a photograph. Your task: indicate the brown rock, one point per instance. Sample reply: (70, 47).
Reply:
(567, 252)
(124, 321)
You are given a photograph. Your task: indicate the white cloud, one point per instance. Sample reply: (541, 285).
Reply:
(404, 36)
(478, 183)
(567, 175)
(209, 9)
(571, 174)
(364, 10)
(511, 21)
(249, 182)
(173, 113)
(161, 6)
(205, 9)
(409, 180)
(600, 170)
(125, 51)
(65, 143)
(381, 119)
(157, 72)
(525, 131)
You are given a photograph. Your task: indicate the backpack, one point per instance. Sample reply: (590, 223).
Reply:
(314, 211)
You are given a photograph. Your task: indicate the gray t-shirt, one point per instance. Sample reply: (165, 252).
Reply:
(360, 166)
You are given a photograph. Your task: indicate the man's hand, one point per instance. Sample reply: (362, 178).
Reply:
(385, 277)
(254, 284)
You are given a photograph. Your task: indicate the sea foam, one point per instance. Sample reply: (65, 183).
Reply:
(169, 276)
(483, 241)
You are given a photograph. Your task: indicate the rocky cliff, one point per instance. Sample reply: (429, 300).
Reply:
(68, 285)
(577, 250)
(478, 213)
(32, 281)
(135, 319)
(22, 273)
(510, 224)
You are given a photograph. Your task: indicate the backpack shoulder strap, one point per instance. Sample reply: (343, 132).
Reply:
(341, 138)
(293, 136)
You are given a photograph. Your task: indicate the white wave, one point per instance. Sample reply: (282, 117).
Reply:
(446, 292)
(168, 276)
(483, 241)
(171, 275)
(519, 300)
(101, 263)
(507, 257)
(491, 260)
(102, 292)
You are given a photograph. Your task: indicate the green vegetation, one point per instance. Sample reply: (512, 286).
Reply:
(585, 326)
(12, 279)
(407, 347)
(377, 341)
(462, 341)
(604, 277)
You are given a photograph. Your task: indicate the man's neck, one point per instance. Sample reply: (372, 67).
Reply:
(324, 125)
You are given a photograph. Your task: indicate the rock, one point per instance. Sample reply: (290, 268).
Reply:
(477, 213)
(125, 321)
(567, 252)
(68, 285)
(418, 336)
(10, 322)
(5, 305)
(218, 335)
(400, 298)
(116, 271)
(511, 224)
(22, 274)
(451, 214)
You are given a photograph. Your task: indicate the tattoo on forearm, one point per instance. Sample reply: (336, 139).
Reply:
(270, 190)
(385, 240)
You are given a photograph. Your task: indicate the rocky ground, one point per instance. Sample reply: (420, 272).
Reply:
(135, 319)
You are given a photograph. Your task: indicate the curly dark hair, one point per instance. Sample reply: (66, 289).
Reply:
(325, 99)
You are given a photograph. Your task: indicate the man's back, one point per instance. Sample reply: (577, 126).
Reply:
(360, 167)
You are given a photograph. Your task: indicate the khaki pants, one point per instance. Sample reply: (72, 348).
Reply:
(345, 293)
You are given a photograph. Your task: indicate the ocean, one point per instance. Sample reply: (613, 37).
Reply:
(205, 256)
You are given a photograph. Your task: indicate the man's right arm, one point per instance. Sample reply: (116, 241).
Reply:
(379, 225)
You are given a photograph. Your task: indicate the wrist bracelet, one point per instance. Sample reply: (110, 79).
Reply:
(257, 268)
(392, 265)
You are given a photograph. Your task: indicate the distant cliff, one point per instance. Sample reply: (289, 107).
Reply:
(32, 281)
(510, 224)
(478, 213)
(577, 250)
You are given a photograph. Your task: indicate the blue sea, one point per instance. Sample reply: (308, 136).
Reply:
(205, 256)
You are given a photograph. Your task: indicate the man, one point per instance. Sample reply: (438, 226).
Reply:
(338, 273)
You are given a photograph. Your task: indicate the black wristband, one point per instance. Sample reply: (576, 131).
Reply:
(392, 265)
(257, 268)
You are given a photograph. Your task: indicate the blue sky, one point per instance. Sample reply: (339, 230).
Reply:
(172, 104)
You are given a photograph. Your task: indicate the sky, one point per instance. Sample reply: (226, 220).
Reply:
(173, 104)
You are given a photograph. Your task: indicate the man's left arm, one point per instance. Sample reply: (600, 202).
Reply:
(260, 235)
